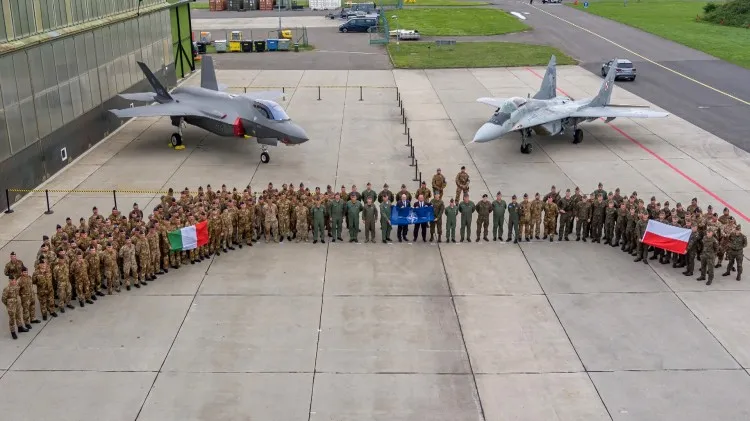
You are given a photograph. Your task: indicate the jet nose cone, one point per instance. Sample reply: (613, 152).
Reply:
(488, 132)
(297, 133)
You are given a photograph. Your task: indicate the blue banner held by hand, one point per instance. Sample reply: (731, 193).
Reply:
(410, 216)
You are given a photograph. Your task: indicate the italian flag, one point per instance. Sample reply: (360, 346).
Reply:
(189, 238)
(667, 237)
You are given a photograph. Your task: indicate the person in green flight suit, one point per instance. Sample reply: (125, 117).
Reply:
(336, 209)
(498, 217)
(353, 208)
(318, 212)
(385, 219)
(450, 222)
(514, 218)
(466, 209)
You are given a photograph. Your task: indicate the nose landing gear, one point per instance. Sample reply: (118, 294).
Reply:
(526, 148)
(264, 156)
(176, 140)
(577, 136)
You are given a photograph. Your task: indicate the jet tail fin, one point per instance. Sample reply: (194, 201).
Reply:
(208, 74)
(548, 89)
(162, 96)
(605, 91)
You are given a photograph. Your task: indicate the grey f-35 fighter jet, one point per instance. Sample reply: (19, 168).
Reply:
(247, 115)
(547, 114)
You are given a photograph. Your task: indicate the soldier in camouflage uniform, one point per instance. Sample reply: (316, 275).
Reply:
(42, 279)
(708, 255)
(94, 271)
(61, 276)
(12, 302)
(438, 183)
(13, 268)
(583, 217)
(80, 272)
(109, 260)
(271, 223)
(153, 247)
(735, 253)
(129, 266)
(143, 257)
(245, 221)
(483, 209)
(284, 208)
(385, 193)
(301, 214)
(631, 243)
(226, 230)
(620, 225)
(550, 219)
(598, 212)
(640, 231)
(424, 191)
(462, 184)
(498, 217)
(438, 207)
(536, 216)
(566, 206)
(215, 232)
(610, 218)
(26, 293)
(525, 217)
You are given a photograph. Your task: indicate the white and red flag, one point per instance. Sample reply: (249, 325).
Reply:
(667, 237)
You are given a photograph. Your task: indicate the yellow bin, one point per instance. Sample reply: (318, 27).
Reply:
(235, 46)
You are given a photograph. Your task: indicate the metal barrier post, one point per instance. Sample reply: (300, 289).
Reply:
(49, 210)
(405, 126)
(360, 93)
(283, 89)
(7, 202)
(420, 177)
(408, 137)
(416, 169)
(398, 94)
(318, 93)
(114, 196)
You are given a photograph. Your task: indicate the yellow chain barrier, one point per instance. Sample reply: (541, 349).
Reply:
(134, 191)
(249, 88)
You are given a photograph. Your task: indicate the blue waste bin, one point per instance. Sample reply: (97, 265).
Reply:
(272, 44)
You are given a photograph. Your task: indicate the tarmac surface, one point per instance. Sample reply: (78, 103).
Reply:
(449, 332)
(710, 93)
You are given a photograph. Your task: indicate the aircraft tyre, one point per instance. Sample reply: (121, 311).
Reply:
(265, 157)
(175, 140)
(527, 148)
(578, 136)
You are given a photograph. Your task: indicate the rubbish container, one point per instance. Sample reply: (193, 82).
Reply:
(284, 44)
(296, 47)
(260, 46)
(201, 48)
(247, 46)
(220, 45)
(272, 44)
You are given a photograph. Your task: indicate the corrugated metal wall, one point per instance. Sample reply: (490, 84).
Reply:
(22, 18)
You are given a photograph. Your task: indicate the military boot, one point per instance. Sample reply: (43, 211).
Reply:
(440, 238)
(537, 237)
(28, 326)
(486, 239)
(709, 282)
(717, 265)
(432, 237)
(13, 335)
(44, 317)
(700, 278)
(552, 239)
(727, 273)
(739, 276)
(35, 321)
(638, 259)
(62, 309)
(53, 314)
(578, 238)
(507, 239)
(22, 329)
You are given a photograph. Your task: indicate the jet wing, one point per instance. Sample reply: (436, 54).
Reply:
(613, 112)
(170, 109)
(493, 102)
(139, 96)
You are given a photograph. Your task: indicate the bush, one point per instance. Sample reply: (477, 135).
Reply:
(733, 13)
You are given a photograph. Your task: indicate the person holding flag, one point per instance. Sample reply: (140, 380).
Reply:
(403, 214)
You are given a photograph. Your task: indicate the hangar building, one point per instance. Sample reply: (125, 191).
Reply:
(62, 64)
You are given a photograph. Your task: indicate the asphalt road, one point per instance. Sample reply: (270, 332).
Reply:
(687, 84)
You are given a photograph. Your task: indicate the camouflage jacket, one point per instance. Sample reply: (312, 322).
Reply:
(737, 241)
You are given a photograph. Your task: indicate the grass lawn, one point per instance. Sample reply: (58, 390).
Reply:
(676, 21)
(426, 55)
(455, 21)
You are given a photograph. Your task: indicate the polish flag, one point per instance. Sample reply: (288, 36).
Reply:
(667, 237)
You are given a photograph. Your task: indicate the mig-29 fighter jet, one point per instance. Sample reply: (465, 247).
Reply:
(548, 114)
(253, 114)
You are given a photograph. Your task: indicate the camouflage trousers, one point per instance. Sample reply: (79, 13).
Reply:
(28, 305)
(110, 279)
(129, 269)
(566, 225)
(174, 259)
(609, 231)
(582, 228)
(483, 222)
(302, 232)
(690, 261)
(284, 228)
(165, 256)
(15, 314)
(460, 194)
(272, 230)
(641, 251)
(95, 280)
(215, 240)
(64, 292)
(46, 298)
(436, 225)
(630, 239)
(735, 256)
(619, 233)
(226, 239)
(246, 234)
(155, 262)
(525, 228)
(145, 267)
(536, 225)
(83, 288)
(549, 226)
(596, 229)
(707, 266)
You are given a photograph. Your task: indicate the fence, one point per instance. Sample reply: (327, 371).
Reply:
(381, 33)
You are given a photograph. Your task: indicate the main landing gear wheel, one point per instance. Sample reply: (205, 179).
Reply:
(578, 136)
(265, 157)
(176, 141)
(527, 148)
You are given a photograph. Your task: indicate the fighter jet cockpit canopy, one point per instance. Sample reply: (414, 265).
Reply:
(512, 104)
(271, 110)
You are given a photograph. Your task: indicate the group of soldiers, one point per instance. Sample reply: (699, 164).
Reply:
(79, 262)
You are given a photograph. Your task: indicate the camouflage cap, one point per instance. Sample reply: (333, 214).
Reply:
(462, 167)
(525, 195)
(58, 226)
(726, 209)
(12, 253)
(45, 238)
(25, 269)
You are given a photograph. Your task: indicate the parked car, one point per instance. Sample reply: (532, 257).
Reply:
(551, 1)
(359, 24)
(625, 69)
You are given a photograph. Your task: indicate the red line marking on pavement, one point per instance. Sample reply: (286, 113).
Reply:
(663, 161)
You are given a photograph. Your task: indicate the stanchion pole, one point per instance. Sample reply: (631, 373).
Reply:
(360, 93)
(7, 202)
(416, 169)
(408, 138)
(318, 93)
(398, 95)
(114, 196)
(420, 177)
(401, 105)
(49, 210)
(405, 126)
(283, 89)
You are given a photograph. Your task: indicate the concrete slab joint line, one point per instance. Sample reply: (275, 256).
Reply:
(663, 161)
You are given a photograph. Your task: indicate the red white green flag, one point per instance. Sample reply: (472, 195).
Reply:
(189, 238)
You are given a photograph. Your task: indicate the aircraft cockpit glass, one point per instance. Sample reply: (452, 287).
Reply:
(271, 110)
(512, 104)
